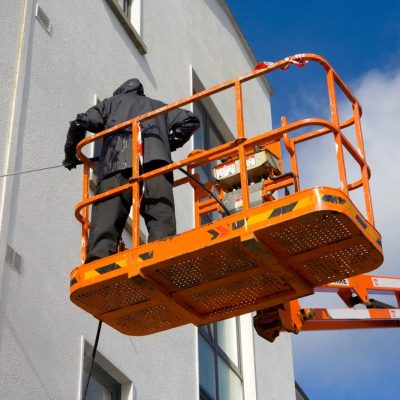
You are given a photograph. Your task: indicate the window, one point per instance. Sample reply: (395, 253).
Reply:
(129, 14)
(132, 9)
(107, 382)
(102, 385)
(206, 137)
(126, 7)
(219, 343)
(219, 361)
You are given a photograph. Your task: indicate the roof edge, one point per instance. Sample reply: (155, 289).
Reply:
(246, 45)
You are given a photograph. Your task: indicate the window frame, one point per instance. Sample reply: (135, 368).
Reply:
(211, 339)
(126, 23)
(103, 378)
(104, 372)
(126, 8)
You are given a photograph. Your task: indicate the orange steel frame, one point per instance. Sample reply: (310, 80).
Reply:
(239, 148)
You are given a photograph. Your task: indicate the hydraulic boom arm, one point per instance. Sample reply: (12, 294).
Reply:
(362, 311)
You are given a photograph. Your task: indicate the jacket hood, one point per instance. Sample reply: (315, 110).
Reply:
(131, 85)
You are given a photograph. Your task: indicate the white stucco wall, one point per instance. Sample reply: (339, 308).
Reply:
(88, 53)
(274, 368)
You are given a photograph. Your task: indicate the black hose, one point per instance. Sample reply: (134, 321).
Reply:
(287, 174)
(206, 189)
(93, 356)
(100, 322)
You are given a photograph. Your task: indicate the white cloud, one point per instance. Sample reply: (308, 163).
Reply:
(363, 361)
(379, 94)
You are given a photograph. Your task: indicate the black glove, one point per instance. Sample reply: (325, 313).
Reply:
(181, 132)
(177, 138)
(76, 133)
(70, 161)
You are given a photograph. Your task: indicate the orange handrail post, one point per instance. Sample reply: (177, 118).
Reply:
(241, 143)
(85, 214)
(290, 147)
(364, 167)
(135, 185)
(337, 133)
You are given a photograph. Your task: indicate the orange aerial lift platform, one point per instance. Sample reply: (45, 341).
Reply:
(260, 250)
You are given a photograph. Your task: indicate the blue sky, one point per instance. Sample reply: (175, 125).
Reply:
(361, 40)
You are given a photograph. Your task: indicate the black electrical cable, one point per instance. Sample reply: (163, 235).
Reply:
(218, 200)
(93, 357)
(287, 174)
(31, 170)
(93, 159)
(206, 189)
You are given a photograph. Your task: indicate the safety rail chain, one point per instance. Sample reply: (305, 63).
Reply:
(241, 146)
(353, 291)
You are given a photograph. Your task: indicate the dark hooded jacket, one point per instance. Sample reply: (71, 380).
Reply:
(128, 102)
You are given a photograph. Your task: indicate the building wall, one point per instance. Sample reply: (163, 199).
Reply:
(274, 368)
(88, 53)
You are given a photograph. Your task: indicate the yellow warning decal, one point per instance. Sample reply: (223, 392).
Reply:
(122, 263)
(103, 270)
(371, 232)
(294, 206)
(91, 274)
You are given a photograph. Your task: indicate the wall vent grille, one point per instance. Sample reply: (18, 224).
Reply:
(43, 18)
(13, 259)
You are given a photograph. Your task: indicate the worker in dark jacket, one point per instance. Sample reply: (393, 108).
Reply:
(160, 136)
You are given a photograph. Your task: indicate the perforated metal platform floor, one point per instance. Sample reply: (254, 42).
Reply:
(264, 256)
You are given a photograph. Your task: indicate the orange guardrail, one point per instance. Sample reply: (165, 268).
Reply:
(242, 145)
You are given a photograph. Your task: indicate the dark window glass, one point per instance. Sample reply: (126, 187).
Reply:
(206, 138)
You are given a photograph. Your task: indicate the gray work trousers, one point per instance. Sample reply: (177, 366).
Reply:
(109, 216)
